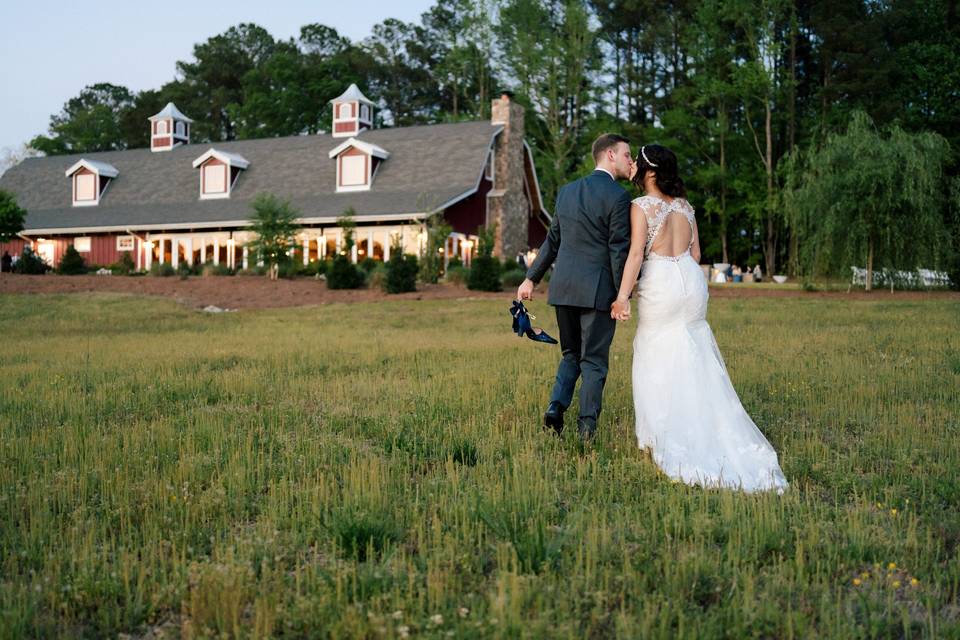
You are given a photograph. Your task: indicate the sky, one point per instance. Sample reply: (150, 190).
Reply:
(52, 50)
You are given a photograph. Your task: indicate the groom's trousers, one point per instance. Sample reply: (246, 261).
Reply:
(585, 337)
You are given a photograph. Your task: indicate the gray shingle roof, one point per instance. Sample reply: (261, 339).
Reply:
(428, 167)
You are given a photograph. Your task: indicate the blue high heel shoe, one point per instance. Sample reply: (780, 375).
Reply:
(522, 326)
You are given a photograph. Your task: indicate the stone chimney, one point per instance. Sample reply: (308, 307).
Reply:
(508, 204)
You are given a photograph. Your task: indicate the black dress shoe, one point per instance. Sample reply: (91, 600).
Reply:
(553, 418)
(587, 428)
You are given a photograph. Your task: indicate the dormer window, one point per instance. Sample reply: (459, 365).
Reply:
(357, 164)
(219, 171)
(352, 113)
(89, 181)
(169, 129)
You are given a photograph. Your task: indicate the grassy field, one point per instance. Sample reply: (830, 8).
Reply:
(378, 470)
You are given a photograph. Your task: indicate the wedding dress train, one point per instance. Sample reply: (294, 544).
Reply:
(687, 411)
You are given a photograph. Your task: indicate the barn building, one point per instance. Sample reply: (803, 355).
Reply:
(179, 202)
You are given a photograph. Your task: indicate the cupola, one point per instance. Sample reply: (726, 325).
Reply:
(169, 128)
(352, 113)
(89, 180)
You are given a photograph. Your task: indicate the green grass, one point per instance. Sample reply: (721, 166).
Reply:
(358, 471)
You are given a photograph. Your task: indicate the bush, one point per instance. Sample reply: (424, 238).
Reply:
(30, 263)
(72, 263)
(164, 270)
(513, 277)
(454, 262)
(368, 264)
(401, 273)
(485, 271)
(210, 269)
(124, 266)
(457, 275)
(377, 279)
(343, 274)
(485, 274)
(314, 268)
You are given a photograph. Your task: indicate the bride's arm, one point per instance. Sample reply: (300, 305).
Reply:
(631, 268)
(695, 249)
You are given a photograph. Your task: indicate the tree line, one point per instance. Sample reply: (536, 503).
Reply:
(757, 97)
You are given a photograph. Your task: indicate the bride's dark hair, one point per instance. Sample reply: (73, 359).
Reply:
(666, 176)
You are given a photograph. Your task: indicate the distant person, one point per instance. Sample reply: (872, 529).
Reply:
(522, 260)
(757, 273)
(6, 263)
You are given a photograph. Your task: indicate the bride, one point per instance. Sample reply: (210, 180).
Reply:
(687, 411)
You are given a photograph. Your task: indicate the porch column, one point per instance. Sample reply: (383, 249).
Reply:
(370, 243)
(148, 254)
(353, 253)
(306, 250)
(188, 250)
(175, 252)
(160, 252)
(216, 251)
(203, 250)
(388, 237)
(244, 256)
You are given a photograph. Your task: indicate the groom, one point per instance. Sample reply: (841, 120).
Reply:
(589, 239)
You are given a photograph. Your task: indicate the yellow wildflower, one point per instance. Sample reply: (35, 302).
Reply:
(893, 512)
(914, 582)
(856, 582)
(896, 584)
(892, 565)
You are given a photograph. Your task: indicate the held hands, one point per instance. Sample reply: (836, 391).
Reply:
(525, 291)
(620, 310)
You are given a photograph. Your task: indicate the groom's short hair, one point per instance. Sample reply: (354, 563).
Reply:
(606, 141)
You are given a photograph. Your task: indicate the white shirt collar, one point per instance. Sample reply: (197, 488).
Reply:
(606, 172)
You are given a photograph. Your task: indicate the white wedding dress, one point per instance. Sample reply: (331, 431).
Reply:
(687, 410)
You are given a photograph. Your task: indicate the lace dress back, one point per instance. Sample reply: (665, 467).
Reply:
(670, 228)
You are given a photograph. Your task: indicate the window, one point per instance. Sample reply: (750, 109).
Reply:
(215, 178)
(86, 186)
(344, 111)
(364, 112)
(124, 243)
(353, 170)
(82, 245)
(181, 129)
(162, 127)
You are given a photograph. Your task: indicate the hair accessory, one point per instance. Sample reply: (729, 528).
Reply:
(643, 153)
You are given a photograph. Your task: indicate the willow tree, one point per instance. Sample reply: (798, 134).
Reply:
(876, 196)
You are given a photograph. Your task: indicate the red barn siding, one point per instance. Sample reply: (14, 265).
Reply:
(469, 214)
(344, 127)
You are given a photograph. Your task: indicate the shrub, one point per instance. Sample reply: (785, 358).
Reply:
(72, 263)
(401, 273)
(210, 269)
(377, 279)
(368, 264)
(513, 277)
(343, 274)
(30, 263)
(164, 270)
(457, 275)
(485, 271)
(454, 262)
(314, 268)
(124, 266)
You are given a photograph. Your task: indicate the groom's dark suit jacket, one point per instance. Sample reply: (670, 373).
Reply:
(589, 239)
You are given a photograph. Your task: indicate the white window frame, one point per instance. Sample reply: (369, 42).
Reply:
(126, 243)
(82, 244)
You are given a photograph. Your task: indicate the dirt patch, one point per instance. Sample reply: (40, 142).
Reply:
(249, 292)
